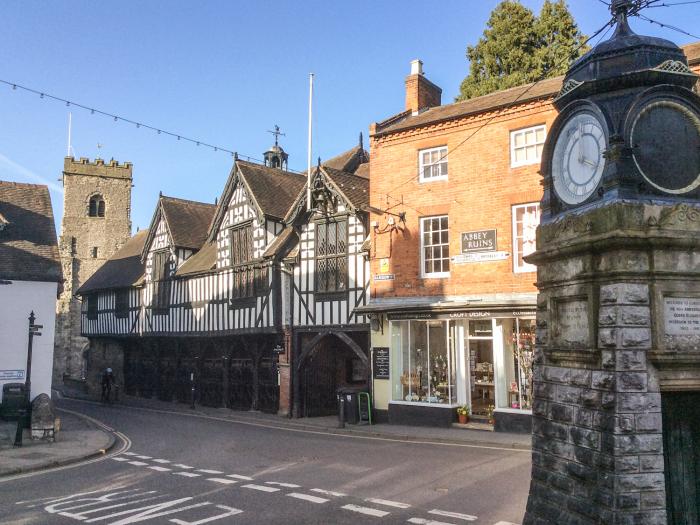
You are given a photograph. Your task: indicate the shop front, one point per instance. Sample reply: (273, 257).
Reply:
(440, 360)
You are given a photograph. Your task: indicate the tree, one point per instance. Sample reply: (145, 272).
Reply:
(517, 47)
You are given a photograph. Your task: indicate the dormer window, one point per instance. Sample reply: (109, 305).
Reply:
(97, 206)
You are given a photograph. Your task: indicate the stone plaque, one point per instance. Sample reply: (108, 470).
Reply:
(682, 315)
(572, 320)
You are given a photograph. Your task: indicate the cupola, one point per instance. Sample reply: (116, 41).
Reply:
(276, 157)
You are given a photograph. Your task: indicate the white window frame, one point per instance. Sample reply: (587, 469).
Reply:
(516, 249)
(433, 275)
(525, 131)
(443, 159)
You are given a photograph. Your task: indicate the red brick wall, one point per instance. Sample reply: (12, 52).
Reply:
(479, 193)
(421, 93)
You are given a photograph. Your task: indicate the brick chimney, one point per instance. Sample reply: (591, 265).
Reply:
(421, 93)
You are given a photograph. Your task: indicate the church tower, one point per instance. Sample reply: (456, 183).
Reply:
(96, 223)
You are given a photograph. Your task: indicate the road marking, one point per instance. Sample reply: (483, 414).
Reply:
(366, 510)
(160, 469)
(223, 481)
(144, 457)
(187, 474)
(261, 488)
(308, 497)
(286, 485)
(180, 465)
(423, 521)
(457, 515)
(207, 471)
(120, 459)
(238, 476)
(505, 523)
(329, 493)
(388, 503)
(161, 461)
(137, 463)
(130, 454)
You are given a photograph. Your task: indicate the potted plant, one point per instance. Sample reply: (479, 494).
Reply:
(463, 414)
(489, 414)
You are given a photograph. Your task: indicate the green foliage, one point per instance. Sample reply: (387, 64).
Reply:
(518, 47)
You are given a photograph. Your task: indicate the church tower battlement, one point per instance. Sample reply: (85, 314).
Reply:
(96, 223)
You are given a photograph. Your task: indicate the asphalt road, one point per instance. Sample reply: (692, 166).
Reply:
(190, 471)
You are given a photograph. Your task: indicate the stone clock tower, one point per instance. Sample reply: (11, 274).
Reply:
(616, 413)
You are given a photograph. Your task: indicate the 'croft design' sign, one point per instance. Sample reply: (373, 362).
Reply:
(479, 241)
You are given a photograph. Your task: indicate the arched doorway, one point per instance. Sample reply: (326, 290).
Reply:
(329, 361)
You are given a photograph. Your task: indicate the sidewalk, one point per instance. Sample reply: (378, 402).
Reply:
(460, 436)
(78, 440)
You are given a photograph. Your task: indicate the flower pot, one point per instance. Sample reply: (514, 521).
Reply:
(463, 419)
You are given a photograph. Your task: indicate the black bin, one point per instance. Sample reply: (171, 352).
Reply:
(352, 409)
(14, 402)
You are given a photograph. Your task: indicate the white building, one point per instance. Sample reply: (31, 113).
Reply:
(30, 274)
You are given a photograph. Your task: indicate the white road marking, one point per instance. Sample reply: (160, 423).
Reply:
(457, 515)
(286, 485)
(120, 459)
(137, 463)
(229, 511)
(366, 510)
(388, 503)
(238, 476)
(144, 457)
(329, 493)
(223, 481)
(261, 488)
(187, 474)
(161, 461)
(505, 523)
(160, 469)
(423, 521)
(307, 497)
(180, 465)
(207, 471)
(130, 454)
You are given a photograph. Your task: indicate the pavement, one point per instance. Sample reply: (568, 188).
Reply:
(81, 439)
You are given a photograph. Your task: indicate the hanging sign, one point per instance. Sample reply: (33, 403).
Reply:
(380, 362)
(479, 241)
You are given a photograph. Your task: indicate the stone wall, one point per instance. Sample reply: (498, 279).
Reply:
(85, 244)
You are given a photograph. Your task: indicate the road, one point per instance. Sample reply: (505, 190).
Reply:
(189, 470)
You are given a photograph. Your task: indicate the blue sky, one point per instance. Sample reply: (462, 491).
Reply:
(225, 72)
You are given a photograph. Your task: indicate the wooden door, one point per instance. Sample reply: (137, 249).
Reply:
(681, 428)
(240, 384)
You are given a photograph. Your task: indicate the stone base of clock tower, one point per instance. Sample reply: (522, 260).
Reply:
(618, 337)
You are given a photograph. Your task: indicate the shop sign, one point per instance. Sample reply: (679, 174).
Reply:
(380, 362)
(462, 314)
(480, 257)
(479, 241)
(11, 374)
(384, 277)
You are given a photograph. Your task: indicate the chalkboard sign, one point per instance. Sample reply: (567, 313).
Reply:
(380, 362)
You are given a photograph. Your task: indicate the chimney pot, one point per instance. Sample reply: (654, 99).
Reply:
(416, 67)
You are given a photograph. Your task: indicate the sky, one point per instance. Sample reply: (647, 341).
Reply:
(224, 73)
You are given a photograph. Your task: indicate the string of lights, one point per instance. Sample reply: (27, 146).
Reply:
(668, 26)
(117, 118)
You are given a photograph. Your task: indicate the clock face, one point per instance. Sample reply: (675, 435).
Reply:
(578, 163)
(665, 137)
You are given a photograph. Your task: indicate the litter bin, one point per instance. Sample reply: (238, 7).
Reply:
(14, 402)
(352, 407)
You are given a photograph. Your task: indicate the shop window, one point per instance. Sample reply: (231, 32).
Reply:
(526, 218)
(331, 256)
(435, 246)
(515, 376)
(92, 307)
(526, 146)
(423, 364)
(97, 206)
(161, 276)
(121, 303)
(432, 164)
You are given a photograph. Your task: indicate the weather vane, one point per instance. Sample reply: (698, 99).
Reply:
(276, 133)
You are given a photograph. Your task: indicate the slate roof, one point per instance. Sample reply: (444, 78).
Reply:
(202, 261)
(355, 188)
(349, 160)
(28, 244)
(497, 100)
(279, 245)
(188, 221)
(363, 170)
(121, 270)
(273, 189)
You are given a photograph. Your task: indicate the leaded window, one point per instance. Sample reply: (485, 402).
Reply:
(331, 256)
(121, 303)
(241, 244)
(92, 306)
(161, 273)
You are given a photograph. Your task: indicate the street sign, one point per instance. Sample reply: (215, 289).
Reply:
(11, 374)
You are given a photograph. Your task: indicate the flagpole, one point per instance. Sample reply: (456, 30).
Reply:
(308, 173)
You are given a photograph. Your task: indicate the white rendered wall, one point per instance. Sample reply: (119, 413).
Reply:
(17, 300)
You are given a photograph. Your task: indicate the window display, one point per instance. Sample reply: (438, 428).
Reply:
(518, 346)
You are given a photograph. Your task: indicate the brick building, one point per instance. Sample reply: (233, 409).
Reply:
(455, 192)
